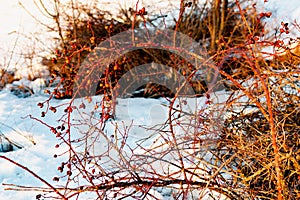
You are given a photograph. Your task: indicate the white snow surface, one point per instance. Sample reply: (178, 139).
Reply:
(38, 143)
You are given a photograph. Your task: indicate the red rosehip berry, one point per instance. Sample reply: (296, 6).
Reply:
(40, 105)
(69, 173)
(268, 14)
(53, 109)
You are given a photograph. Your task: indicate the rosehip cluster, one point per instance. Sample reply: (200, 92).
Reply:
(263, 15)
(266, 14)
(141, 12)
(285, 28)
(188, 4)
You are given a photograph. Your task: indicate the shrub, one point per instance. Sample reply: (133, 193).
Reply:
(6, 77)
(93, 26)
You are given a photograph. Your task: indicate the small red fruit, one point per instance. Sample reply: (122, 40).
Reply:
(208, 102)
(69, 173)
(60, 169)
(262, 15)
(54, 60)
(40, 105)
(268, 14)
(142, 11)
(53, 109)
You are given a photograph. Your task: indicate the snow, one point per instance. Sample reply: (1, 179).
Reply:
(39, 143)
(16, 126)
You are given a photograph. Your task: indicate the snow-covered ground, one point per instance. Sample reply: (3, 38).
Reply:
(38, 143)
